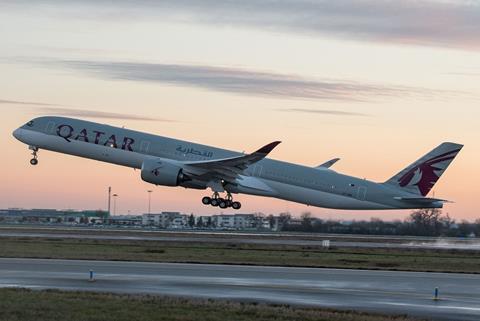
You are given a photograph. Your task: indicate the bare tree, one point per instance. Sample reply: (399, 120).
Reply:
(426, 221)
(307, 221)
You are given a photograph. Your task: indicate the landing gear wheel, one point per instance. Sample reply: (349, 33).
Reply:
(236, 205)
(229, 199)
(34, 160)
(222, 204)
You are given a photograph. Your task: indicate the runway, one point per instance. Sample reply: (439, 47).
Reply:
(380, 291)
(350, 241)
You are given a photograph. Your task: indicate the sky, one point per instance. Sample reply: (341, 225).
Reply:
(376, 83)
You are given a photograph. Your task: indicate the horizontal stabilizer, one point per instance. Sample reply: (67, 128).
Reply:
(421, 200)
(328, 164)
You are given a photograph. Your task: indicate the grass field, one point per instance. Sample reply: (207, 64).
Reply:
(234, 253)
(20, 305)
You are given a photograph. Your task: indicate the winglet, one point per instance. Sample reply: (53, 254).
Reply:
(267, 148)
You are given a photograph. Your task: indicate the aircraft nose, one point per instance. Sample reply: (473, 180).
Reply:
(17, 134)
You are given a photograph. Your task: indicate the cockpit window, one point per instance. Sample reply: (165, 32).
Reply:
(30, 123)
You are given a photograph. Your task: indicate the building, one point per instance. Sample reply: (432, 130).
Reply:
(51, 215)
(163, 220)
(236, 221)
(174, 220)
(223, 221)
(179, 221)
(125, 220)
(203, 221)
(244, 221)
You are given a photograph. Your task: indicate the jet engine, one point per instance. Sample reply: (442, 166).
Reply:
(160, 172)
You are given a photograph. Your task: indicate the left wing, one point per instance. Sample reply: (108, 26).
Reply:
(227, 168)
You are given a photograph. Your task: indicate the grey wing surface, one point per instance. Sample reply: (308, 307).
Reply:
(227, 169)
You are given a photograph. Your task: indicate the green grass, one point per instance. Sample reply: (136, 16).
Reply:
(26, 305)
(232, 253)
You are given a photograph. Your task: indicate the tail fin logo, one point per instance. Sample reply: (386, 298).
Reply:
(426, 174)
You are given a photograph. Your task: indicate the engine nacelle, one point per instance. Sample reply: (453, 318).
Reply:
(160, 172)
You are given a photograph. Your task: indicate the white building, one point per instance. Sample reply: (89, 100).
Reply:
(204, 220)
(224, 221)
(165, 220)
(237, 221)
(178, 221)
(244, 221)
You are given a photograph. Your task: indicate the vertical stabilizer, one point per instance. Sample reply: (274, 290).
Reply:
(420, 177)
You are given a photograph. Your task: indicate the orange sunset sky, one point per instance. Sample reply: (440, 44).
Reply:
(376, 83)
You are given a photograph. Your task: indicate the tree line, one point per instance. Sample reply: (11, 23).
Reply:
(423, 222)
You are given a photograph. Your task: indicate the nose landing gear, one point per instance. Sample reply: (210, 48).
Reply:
(34, 160)
(216, 200)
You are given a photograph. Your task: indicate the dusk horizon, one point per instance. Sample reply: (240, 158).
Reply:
(376, 90)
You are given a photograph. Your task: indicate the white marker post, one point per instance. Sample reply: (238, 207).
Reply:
(326, 244)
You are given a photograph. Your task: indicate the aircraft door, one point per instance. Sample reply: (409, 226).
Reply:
(358, 192)
(50, 128)
(351, 190)
(362, 193)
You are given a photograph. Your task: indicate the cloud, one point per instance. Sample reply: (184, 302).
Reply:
(18, 102)
(419, 22)
(323, 112)
(96, 114)
(76, 112)
(471, 74)
(239, 81)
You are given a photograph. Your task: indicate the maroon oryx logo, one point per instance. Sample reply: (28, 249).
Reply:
(425, 175)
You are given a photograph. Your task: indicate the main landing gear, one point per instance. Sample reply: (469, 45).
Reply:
(216, 200)
(34, 160)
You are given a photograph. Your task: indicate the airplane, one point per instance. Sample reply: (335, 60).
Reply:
(171, 162)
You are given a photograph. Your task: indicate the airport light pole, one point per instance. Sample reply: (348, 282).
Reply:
(149, 200)
(109, 198)
(115, 203)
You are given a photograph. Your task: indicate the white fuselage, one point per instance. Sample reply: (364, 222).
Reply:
(311, 186)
